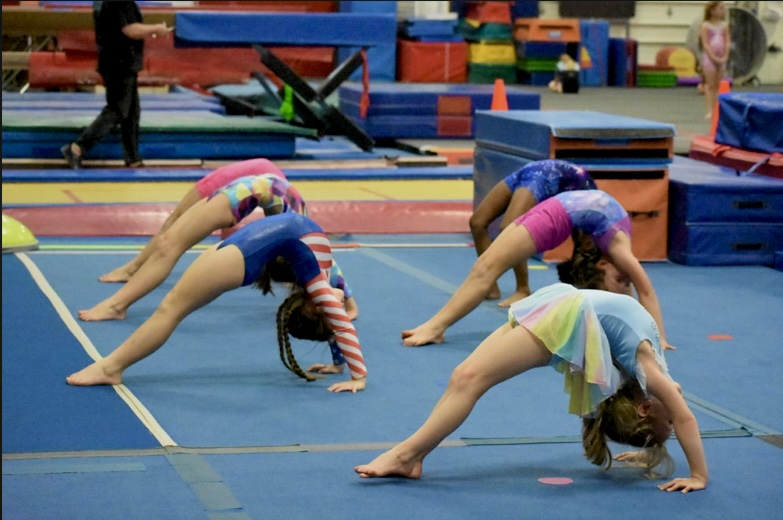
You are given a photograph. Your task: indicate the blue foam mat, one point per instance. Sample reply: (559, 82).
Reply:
(704, 192)
(751, 121)
(422, 98)
(39, 400)
(214, 28)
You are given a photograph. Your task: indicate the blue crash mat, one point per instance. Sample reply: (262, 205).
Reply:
(720, 218)
(215, 28)
(751, 121)
(704, 192)
(529, 133)
(422, 98)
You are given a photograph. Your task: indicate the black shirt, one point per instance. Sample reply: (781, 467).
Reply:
(117, 53)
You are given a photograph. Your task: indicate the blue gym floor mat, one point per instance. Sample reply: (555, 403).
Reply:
(165, 135)
(40, 412)
(751, 121)
(56, 101)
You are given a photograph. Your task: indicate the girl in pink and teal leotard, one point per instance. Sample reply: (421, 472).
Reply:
(205, 187)
(594, 213)
(222, 209)
(312, 311)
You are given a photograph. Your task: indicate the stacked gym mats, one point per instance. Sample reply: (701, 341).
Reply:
(394, 130)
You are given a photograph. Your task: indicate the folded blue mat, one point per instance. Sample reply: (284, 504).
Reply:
(301, 29)
(751, 121)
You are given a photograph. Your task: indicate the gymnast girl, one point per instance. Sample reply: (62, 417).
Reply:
(516, 195)
(596, 213)
(258, 253)
(206, 186)
(223, 208)
(608, 348)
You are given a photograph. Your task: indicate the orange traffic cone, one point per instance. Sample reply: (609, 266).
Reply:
(724, 88)
(499, 99)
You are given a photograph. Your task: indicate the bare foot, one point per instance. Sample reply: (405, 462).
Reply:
(388, 465)
(494, 293)
(94, 375)
(102, 312)
(118, 275)
(708, 115)
(518, 295)
(420, 336)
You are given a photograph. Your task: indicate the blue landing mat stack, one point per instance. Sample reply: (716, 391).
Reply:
(721, 218)
(426, 110)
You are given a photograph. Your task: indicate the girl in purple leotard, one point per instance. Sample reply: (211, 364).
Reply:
(513, 197)
(593, 212)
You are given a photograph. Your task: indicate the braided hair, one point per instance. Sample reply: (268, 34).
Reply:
(618, 419)
(299, 317)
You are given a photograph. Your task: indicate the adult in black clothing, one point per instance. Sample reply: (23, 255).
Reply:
(120, 34)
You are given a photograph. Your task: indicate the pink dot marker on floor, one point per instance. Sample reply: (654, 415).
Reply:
(556, 481)
(720, 337)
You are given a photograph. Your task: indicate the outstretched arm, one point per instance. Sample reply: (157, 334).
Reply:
(624, 260)
(345, 335)
(685, 426)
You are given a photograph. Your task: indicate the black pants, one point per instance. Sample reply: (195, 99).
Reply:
(122, 109)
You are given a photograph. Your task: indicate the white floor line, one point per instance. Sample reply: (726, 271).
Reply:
(125, 394)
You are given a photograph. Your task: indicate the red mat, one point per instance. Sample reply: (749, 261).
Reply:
(704, 148)
(359, 217)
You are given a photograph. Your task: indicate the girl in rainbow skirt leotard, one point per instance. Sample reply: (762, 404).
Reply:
(608, 348)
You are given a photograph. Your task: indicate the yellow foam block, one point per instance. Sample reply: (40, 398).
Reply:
(492, 53)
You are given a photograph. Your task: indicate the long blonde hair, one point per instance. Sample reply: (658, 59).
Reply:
(618, 419)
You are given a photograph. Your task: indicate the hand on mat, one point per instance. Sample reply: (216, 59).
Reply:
(354, 385)
(684, 485)
(319, 368)
(634, 458)
(665, 345)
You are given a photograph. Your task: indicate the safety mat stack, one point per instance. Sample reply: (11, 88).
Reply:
(721, 218)
(426, 110)
(628, 157)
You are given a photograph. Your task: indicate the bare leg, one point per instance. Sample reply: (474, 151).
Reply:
(124, 272)
(504, 354)
(521, 202)
(493, 205)
(712, 83)
(213, 273)
(514, 245)
(195, 225)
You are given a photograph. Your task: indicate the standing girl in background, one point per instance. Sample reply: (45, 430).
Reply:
(513, 197)
(715, 41)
